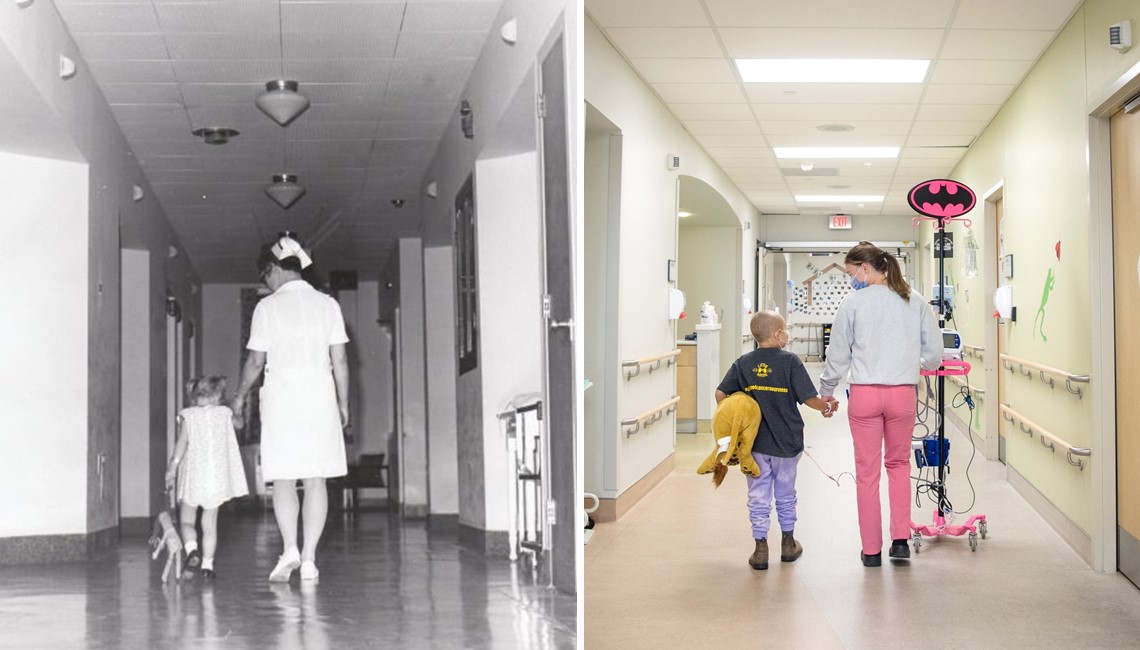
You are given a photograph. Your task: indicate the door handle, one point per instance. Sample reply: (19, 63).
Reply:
(568, 324)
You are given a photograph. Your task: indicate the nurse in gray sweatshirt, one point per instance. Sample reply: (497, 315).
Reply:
(883, 332)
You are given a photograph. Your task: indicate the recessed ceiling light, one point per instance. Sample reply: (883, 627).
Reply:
(838, 187)
(833, 70)
(837, 198)
(836, 152)
(684, 214)
(835, 128)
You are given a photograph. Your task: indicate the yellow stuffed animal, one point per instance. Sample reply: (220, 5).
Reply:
(734, 425)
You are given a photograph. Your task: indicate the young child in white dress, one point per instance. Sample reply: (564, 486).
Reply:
(207, 466)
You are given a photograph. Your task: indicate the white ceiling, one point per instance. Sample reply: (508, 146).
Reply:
(979, 51)
(384, 78)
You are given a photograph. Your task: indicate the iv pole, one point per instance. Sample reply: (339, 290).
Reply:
(943, 214)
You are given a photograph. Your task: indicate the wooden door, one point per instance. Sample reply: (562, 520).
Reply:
(999, 211)
(1126, 255)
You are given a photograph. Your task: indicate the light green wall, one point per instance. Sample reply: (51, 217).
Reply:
(1037, 146)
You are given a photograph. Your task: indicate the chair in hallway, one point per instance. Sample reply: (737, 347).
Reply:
(369, 471)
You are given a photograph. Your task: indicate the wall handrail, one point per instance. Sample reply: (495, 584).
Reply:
(668, 357)
(974, 351)
(1054, 440)
(980, 392)
(1027, 367)
(649, 417)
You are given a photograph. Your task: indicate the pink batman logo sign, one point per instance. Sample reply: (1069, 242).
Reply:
(941, 198)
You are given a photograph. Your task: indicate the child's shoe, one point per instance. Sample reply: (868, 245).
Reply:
(207, 571)
(289, 560)
(759, 558)
(790, 549)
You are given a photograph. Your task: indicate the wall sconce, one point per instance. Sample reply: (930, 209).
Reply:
(467, 119)
(137, 193)
(24, 4)
(510, 31)
(432, 189)
(282, 102)
(67, 68)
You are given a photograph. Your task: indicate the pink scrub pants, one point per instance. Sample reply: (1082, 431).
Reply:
(881, 419)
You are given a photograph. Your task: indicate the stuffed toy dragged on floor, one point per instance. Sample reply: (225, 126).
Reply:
(734, 425)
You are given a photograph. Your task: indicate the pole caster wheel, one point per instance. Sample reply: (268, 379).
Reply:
(983, 528)
(973, 542)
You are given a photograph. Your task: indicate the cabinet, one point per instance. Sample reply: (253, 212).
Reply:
(687, 387)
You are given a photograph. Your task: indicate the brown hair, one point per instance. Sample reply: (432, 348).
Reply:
(867, 253)
(764, 324)
(202, 388)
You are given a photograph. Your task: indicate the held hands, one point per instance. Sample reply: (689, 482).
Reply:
(171, 475)
(345, 423)
(832, 406)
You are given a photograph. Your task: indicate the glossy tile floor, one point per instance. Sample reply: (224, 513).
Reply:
(383, 584)
(673, 572)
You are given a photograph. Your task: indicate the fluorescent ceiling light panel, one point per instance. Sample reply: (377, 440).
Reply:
(836, 152)
(837, 198)
(881, 71)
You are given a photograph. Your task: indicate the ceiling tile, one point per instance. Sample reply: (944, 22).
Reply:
(947, 128)
(825, 13)
(820, 139)
(968, 93)
(338, 70)
(826, 93)
(1014, 14)
(700, 93)
(428, 46)
(647, 13)
(469, 16)
(761, 43)
(791, 127)
(835, 113)
(352, 45)
(132, 71)
(342, 18)
(979, 72)
(685, 70)
(119, 47)
(949, 112)
(255, 73)
(218, 17)
(711, 111)
(939, 140)
(224, 46)
(995, 44)
(722, 127)
(126, 18)
(153, 93)
(666, 42)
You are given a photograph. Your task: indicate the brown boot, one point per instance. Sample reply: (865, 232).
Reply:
(790, 549)
(759, 558)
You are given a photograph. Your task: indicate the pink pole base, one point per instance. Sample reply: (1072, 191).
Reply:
(940, 527)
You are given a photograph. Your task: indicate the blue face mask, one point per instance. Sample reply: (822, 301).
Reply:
(858, 284)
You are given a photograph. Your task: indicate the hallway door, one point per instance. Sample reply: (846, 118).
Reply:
(562, 390)
(1125, 129)
(999, 211)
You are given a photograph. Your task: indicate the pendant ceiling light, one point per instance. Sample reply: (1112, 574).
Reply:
(285, 190)
(282, 102)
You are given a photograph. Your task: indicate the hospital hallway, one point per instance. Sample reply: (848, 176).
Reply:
(384, 583)
(673, 571)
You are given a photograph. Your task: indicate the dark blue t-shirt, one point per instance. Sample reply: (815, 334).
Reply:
(778, 381)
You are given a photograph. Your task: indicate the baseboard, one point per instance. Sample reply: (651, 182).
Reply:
(417, 511)
(1071, 533)
(442, 523)
(686, 425)
(488, 543)
(613, 509)
(38, 549)
(136, 526)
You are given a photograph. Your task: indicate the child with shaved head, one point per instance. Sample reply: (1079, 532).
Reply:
(778, 381)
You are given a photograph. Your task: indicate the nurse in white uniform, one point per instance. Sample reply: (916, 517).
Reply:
(297, 338)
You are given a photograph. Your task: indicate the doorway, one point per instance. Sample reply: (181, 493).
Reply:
(561, 386)
(1125, 153)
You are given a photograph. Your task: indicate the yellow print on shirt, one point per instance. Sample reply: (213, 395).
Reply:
(761, 370)
(770, 389)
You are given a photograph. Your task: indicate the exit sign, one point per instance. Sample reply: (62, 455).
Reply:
(840, 222)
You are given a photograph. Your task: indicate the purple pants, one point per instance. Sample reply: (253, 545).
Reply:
(778, 475)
